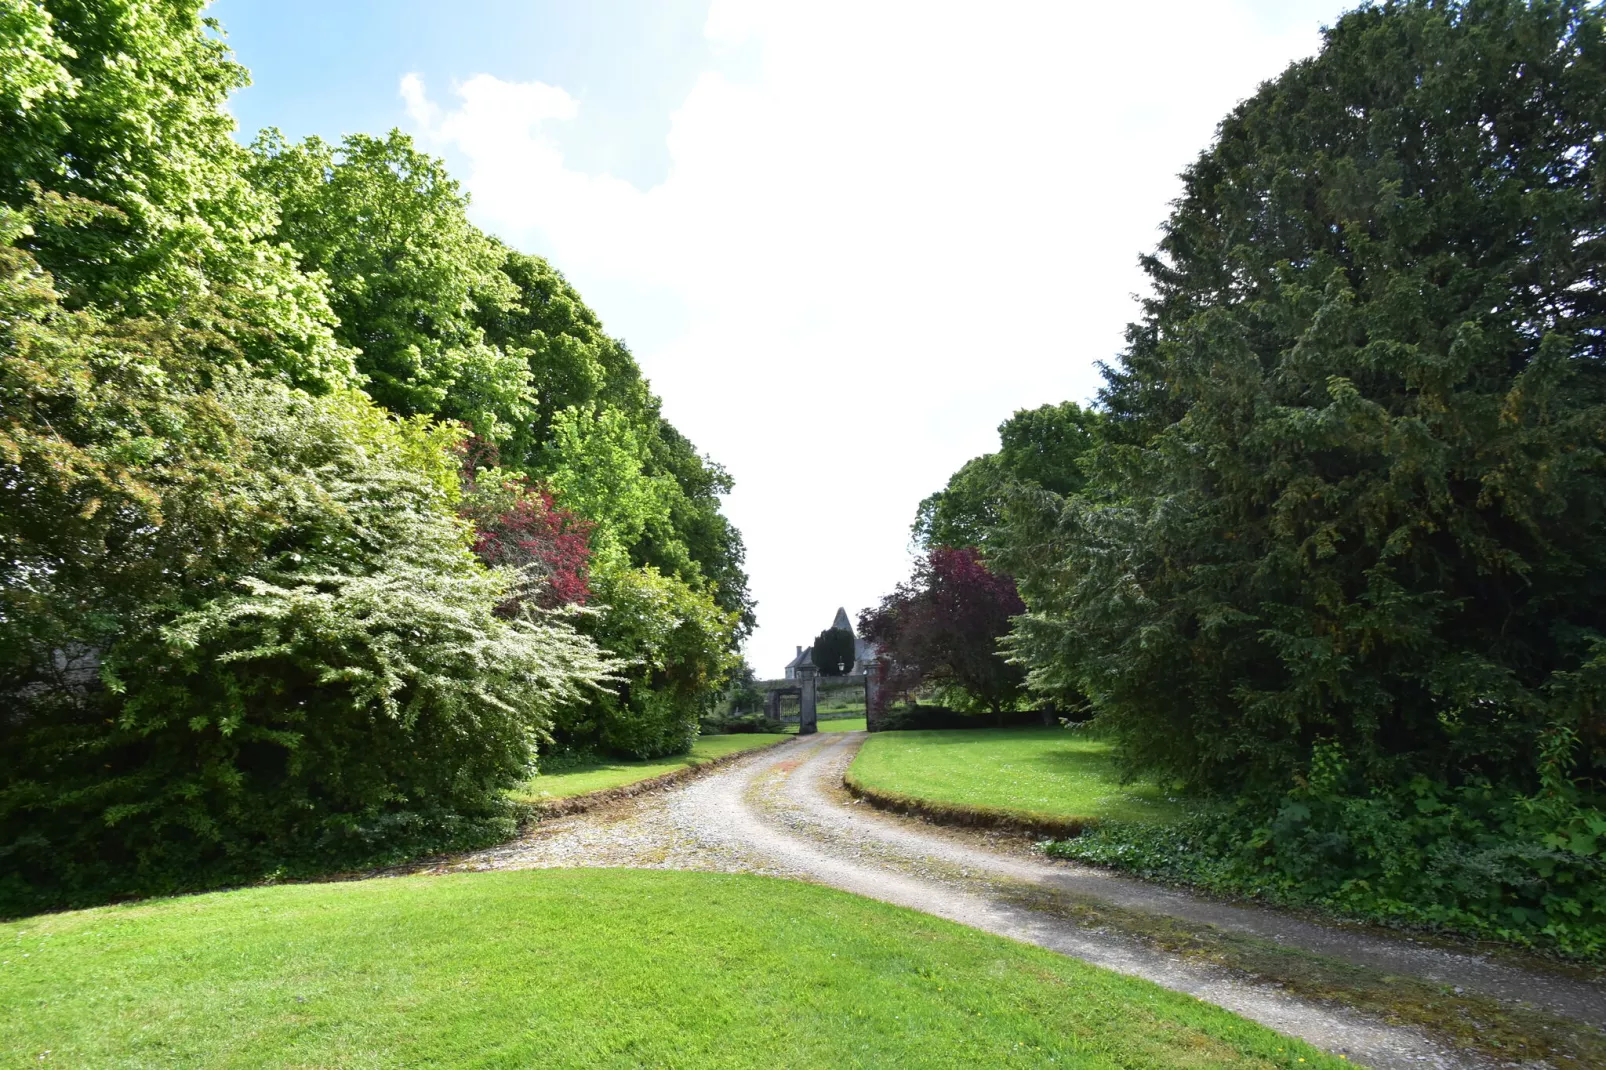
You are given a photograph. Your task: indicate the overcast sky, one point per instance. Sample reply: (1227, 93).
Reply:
(844, 240)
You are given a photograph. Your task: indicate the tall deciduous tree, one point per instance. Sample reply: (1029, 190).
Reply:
(451, 323)
(572, 360)
(122, 103)
(1040, 450)
(674, 642)
(407, 273)
(241, 622)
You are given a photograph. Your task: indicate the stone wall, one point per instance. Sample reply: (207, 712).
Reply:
(826, 683)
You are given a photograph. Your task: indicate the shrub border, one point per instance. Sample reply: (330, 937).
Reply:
(591, 800)
(959, 816)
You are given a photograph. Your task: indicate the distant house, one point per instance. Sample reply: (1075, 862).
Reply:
(863, 651)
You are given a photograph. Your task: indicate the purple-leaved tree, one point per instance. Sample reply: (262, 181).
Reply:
(942, 628)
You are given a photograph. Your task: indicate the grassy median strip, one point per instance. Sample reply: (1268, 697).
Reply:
(610, 773)
(1047, 777)
(579, 968)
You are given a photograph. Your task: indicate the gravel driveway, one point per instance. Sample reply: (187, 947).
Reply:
(783, 812)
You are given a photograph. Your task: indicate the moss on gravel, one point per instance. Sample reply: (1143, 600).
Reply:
(1466, 1019)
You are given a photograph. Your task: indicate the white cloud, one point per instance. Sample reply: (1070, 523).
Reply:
(914, 219)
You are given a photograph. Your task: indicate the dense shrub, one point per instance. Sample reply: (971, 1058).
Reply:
(242, 625)
(671, 638)
(742, 693)
(919, 717)
(585, 478)
(263, 643)
(741, 724)
(519, 526)
(1473, 860)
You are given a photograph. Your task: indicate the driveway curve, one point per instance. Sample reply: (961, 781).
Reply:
(783, 812)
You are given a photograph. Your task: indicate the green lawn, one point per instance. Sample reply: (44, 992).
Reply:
(595, 776)
(578, 968)
(1034, 771)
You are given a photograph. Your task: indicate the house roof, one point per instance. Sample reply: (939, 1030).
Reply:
(863, 650)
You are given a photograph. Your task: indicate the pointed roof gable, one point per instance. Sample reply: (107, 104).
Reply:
(841, 621)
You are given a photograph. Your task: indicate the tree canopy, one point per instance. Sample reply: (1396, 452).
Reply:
(406, 270)
(302, 480)
(242, 626)
(1334, 544)
(449, 323)
(122, 104)
(1353, 486)
(942, 628)
(1040, 449)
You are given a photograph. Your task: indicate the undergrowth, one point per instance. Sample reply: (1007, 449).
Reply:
(1470, 861)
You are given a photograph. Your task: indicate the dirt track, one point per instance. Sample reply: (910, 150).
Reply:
(784, 812)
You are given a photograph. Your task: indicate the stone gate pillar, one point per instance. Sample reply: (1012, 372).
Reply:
(872, 693)
(807, 719)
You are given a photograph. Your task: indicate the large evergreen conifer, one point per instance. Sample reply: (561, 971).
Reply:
(1354, 494)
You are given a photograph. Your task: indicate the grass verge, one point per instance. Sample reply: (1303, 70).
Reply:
(579, 968)
(603, 775)
(1044, 780)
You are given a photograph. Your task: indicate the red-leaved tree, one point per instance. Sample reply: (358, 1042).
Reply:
(519, 525)
(942, 628)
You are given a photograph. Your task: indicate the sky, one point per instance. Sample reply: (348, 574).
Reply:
(844, 240)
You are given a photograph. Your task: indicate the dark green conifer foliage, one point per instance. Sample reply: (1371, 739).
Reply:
(833, 651)
(1354, 494)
